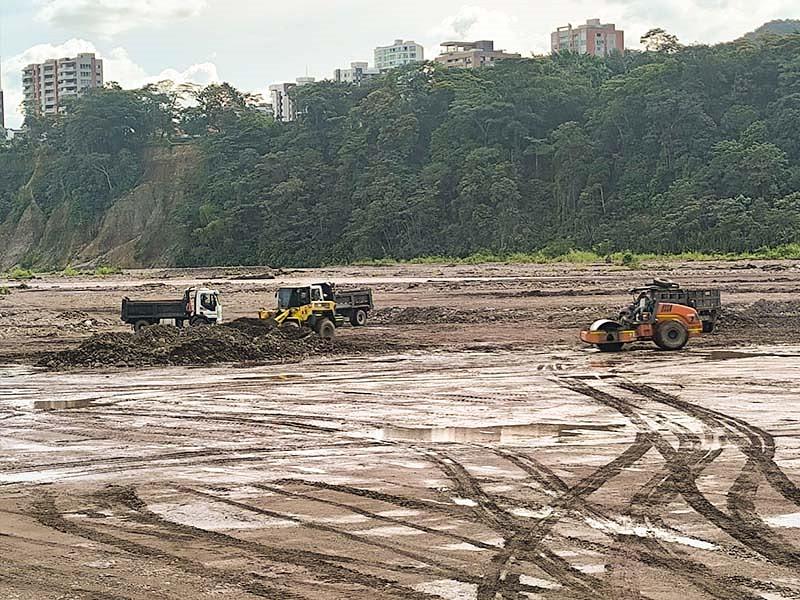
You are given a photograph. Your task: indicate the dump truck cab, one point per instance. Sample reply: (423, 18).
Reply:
(648, 317)
(198, 306)
(310, 306)
(203, 304)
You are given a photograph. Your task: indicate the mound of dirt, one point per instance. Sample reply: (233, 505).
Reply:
(763, 313)
(238, 341)
(418, 315)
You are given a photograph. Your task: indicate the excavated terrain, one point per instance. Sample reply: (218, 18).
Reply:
(463, 445)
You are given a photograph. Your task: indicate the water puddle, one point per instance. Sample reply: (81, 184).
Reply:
(498, 434)
(60, 404)
(15, 370)
(734, 354)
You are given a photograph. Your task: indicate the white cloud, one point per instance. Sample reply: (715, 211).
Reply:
(699, 21)
(117, 66)
(473, 23)
(107, 18)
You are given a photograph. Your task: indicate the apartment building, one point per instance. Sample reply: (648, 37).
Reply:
(47, 84)
(2, 110)
(398, 54)
(283, 108)
(358, 72)
(472, 55)
(595, 38)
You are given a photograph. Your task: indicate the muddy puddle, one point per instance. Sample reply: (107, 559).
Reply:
(495, 434)
(734, 354)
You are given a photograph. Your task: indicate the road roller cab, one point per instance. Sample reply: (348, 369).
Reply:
(647, 318)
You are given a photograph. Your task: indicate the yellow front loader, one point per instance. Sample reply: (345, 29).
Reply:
(308, 306)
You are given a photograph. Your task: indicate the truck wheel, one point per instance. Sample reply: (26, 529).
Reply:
(671, 335)
(358, 318)
(708, 326)
(325, 329)
(139, 325)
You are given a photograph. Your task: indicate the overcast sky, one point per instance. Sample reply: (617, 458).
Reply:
(252, 43)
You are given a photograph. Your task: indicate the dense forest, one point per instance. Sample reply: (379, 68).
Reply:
(674, 149)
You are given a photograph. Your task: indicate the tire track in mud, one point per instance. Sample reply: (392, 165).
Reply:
(490, 516)
(495, 581)
(750, 534)
(399, 501)
(527, 538)
(215, 417)
(325, 564)
(741, 497)
(545, 559)
(378, 517)
(20, 576)
(757, 445)
(148, 462)
(435, 568)
(753, 441)
(360, 539)
(647, 550)
(45, 512)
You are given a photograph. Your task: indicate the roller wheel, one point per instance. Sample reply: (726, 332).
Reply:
(325, 329)
(613, 346)
(358, 318)
(671, 335)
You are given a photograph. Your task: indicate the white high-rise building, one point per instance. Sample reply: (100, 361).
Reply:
(358, 72)
(2, 107)
(47, 84)
(283, 108)
(398, 54)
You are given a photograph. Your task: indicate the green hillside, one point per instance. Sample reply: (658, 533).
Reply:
(694, 150)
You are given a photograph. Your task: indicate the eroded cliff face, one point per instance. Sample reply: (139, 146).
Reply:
(133, 232)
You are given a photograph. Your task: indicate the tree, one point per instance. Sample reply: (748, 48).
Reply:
(658, 40)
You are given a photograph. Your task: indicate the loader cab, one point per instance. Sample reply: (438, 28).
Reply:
(295, 297)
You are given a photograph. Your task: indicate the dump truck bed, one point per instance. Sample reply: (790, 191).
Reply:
(346, 299)
(149, 310)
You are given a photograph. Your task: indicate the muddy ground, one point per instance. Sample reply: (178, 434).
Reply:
(462, 446)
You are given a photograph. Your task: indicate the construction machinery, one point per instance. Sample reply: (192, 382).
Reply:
(199, 306)
(353, 305)
(311, 306)
(661, 312)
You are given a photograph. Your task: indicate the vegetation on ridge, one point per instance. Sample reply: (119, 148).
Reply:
(694, 149)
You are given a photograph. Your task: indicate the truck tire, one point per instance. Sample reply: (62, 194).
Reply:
(671, 335)
(325, 329)
(199, 322)
(708, 326)
(358, 318)
(139, 325)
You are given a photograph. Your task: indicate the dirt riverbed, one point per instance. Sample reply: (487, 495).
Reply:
(464, 445)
